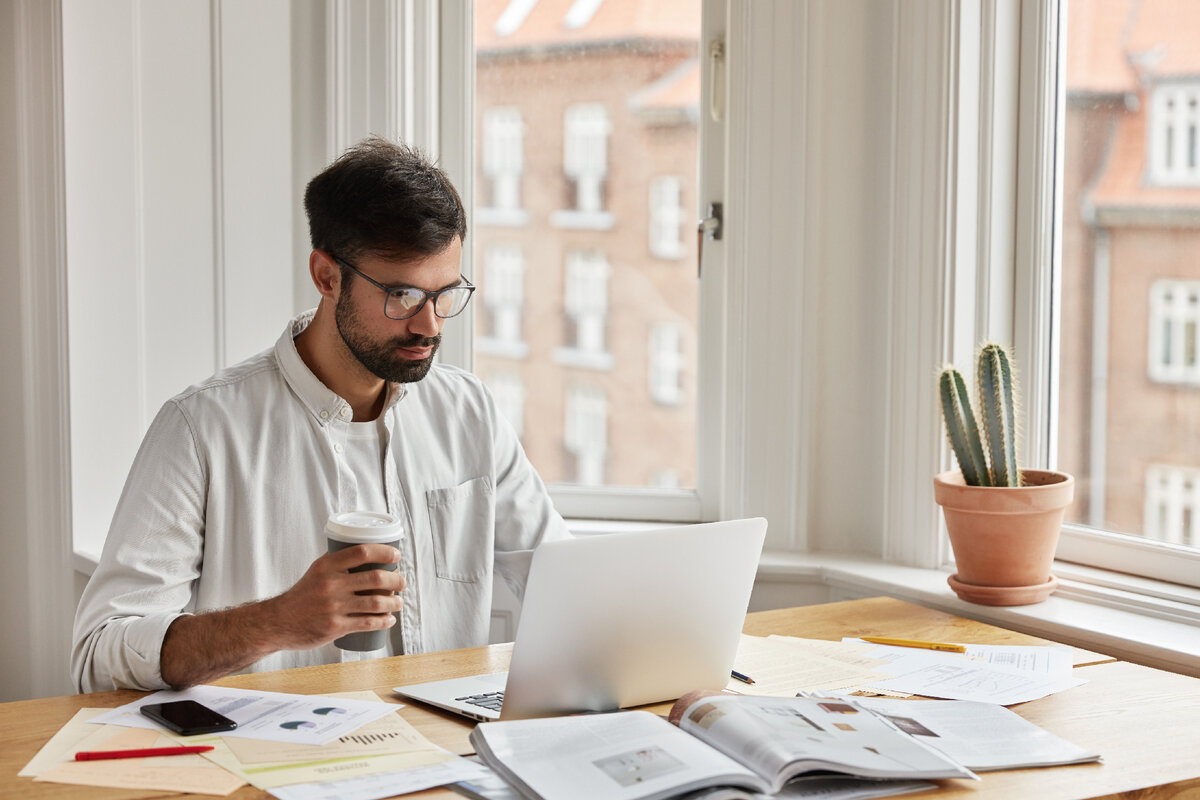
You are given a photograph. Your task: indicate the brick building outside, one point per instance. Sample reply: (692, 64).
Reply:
(1129, 412)
(584, 233)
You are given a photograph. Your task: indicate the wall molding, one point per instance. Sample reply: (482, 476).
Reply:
(42, 251)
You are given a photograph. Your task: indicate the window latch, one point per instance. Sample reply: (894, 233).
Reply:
(711, 227)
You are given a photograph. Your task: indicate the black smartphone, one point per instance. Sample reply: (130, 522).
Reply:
(188, 718)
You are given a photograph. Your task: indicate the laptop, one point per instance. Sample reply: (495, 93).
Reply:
(617, 620)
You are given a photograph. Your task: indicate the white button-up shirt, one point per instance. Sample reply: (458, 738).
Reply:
(228, 496)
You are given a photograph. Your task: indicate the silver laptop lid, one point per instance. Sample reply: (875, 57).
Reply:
(618, 620)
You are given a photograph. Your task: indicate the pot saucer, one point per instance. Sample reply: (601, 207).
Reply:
(1002, 595)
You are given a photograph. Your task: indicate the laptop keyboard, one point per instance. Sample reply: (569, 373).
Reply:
(489, 700)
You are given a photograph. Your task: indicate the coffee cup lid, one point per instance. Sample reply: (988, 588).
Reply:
(364, 527)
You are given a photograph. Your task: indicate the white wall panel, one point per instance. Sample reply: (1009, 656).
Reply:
(176, 216)
(256, 195)
(180, 213)
(101, 54)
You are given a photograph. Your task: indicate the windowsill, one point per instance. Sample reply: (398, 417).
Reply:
(1093, 609)
(588, 359)
(583, 220)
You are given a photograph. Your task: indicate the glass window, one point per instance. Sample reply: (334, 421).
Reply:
(1174, 312)
(603, 98)
(585, 153)
(1172, 503)
(666, 363)
(1174, 120)
(503, 156)
(1129, 381)
(666, 217)
(504, 302)
(587, 432)
(586, 300)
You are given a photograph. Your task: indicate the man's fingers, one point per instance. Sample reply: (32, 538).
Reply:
(372, 604)
(375, 580)
(360, 554)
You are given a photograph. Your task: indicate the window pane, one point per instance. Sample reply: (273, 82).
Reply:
(585, 175)
(1129, 417)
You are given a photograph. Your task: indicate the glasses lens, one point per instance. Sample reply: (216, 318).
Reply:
(404, 303)
(451, 302)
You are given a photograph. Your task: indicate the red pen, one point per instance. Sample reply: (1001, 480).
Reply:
(96, 755)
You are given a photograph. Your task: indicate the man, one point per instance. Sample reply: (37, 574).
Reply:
(215, 561)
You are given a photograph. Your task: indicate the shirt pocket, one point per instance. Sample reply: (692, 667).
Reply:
(462, 520)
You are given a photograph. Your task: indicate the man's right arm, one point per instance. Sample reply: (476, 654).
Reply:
(133, 627)
(151, 558)
(323, 605)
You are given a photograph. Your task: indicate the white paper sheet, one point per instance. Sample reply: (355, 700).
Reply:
(278, 717)
(999, 674)
(384, 784)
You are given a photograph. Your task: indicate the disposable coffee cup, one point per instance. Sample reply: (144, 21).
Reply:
(364, 527)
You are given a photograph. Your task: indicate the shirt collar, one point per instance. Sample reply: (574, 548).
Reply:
(318, 398)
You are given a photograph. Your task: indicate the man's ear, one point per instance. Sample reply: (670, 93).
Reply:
(325, 272)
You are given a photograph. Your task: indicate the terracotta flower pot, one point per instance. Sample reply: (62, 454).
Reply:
(1003, 537)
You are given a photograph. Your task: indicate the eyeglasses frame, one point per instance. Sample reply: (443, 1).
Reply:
(387, 292)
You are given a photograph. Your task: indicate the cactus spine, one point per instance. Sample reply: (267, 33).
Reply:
(997, 412)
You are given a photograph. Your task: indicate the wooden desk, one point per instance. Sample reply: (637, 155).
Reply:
(1145, 722)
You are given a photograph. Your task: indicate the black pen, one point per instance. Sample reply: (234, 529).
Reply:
(741, 677)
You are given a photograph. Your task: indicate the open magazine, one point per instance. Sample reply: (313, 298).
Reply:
(753, 743)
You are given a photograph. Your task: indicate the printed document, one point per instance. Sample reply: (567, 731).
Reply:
(294, 718)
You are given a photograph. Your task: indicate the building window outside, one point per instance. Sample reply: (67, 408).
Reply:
(1174, 318)
(585, 153)
(666, 363)
(509, 392)
(503, 156)
(586, 301)
(586, 432)
(1172, 503)
(664, 479)
(666, 217)
(504, 298)
(1175, 135)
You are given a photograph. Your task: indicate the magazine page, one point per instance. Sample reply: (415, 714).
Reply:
(981, 736)
(626, 755)
(781, 737)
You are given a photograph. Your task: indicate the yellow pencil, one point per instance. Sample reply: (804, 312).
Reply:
(949, 648)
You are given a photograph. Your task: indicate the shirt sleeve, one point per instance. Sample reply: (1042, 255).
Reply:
(525, 514)
(150, 562)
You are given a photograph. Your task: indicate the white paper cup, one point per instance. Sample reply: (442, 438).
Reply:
(348, 529)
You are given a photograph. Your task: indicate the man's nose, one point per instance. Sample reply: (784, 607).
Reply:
(425, 322)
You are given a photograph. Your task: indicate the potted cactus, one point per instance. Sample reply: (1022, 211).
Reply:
(1003, 521)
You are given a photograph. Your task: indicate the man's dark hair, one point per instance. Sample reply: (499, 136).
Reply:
(385, 199)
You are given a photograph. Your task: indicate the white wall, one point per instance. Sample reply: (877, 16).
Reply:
(180, 202)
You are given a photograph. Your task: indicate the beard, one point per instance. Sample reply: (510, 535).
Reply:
(381, 357)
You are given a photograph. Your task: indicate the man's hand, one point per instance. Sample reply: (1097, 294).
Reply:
(326, 603)
(330, 601)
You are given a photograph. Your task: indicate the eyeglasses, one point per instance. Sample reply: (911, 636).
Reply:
(403, 302)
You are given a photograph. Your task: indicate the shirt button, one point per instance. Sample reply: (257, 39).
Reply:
(345, 412)
(337, 447)
(324, 414)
